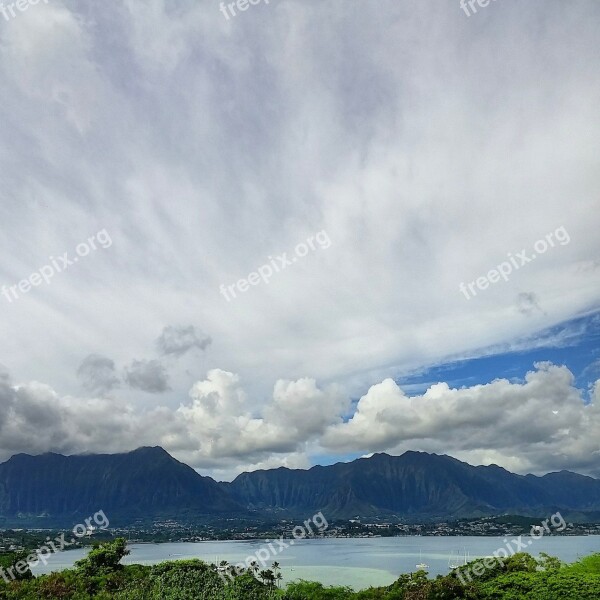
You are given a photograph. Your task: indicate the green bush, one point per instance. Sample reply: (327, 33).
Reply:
(309, 590)
(100, 576)
(185, 580)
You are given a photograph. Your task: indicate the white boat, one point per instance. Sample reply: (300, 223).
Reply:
(421, 565)
(454, 564)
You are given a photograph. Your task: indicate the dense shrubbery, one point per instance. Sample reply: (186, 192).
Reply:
(100, 576)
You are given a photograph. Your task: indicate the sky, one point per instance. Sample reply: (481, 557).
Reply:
(303, 233)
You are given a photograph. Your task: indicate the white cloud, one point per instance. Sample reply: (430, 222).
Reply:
(427, 145)
(204, 146)
(540, 424)
(537, 425)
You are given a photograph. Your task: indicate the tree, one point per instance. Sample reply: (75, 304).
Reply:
(267, 577)
(8, 562)
(103, 559)
(549, 563)
(277, 572)
(186, 580)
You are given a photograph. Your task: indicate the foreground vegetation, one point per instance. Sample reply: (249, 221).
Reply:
(100, 576)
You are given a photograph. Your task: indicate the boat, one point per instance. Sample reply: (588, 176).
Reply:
(454, 564)
(421, 565)
(453, 561)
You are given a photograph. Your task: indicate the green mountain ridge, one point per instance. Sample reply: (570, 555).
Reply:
(138, 484)
(148, 483)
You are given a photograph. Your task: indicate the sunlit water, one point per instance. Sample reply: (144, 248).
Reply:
(355, 562)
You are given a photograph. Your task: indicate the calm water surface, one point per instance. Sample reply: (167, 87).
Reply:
(356, 562)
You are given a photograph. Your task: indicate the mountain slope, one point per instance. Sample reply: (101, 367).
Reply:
(414, 484)
(148, 483)
(140, 484)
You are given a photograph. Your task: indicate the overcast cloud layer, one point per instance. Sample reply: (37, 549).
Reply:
(427, 145)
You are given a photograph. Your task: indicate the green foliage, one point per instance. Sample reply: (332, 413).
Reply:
(550, 563)
(100, 576)
(185, 580)
(484, 569)
(542, 586)
(104, 559)
(309, 590)
(8, 562)
(246, 587)
(588, 564)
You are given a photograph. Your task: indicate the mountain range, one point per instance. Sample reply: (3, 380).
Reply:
(148, 484)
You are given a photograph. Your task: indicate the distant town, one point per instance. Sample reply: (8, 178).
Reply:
(14, 540)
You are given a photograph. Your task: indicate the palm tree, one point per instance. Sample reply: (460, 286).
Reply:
(223, 566)
(267, 577)
(254, 566)
(232, 570)
(277, 572)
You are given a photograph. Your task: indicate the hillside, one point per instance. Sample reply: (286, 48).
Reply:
(148, 483)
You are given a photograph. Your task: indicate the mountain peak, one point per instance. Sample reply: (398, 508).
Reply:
(148, 482)
(142, 484)
(150, 451)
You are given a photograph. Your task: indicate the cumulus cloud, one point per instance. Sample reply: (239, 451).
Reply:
(177, 340)
(216, 429)
(542, 423)
(35, 419)
(98, 374)
(148, 376)
(538, 425)
(219, 417)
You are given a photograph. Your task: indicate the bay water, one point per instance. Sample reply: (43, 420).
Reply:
(355, 562)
